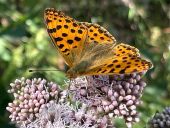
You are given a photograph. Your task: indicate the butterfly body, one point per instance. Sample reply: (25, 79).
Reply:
(87, 61)
(77, 70)
(89, 49)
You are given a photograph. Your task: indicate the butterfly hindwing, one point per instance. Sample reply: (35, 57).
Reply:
(119, 63)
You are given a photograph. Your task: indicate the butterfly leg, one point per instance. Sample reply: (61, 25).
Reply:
(87, 82)
(68, 89)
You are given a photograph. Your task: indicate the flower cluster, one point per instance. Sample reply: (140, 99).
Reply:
(30, 97)
(41, 104)
(161, 120)
(63, 115)
(116, 96)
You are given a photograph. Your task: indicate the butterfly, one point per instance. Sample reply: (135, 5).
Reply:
(89, 49)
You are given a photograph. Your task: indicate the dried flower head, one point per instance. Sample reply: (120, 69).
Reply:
(161, 119)
(116, 96)
(30, 97)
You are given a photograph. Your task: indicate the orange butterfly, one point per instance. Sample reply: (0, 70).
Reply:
(89, 49)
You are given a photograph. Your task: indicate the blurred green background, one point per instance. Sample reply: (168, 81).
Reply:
(25, 44)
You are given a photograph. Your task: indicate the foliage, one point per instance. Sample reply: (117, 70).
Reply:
(25, 44)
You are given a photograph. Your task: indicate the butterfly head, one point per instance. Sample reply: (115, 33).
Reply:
(78, 69)
(71, 74)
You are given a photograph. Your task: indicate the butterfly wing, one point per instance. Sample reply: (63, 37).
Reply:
(124, 59)
(67, 34)
(122, 65)
(124, 49)
(70, 36)
(98, 34)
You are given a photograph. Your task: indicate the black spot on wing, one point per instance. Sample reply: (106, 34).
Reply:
(72, 30)
(70, 41)
(104, 71)
(80, 31)
(75, 47)
(112, 70)
(102, 38)
(66, 50)
(82, 27)
(66, 26)
(100, 31)
(106, 35)
(128, 66)
(115, 61)
(118, 66)
(135, 70)
(64, 34)
(110, 65)
(68, 21)
(91, 30)
(124, 58)
(51, 30)
(99, 70)
(95, 34)
(122, 71)
(59, 27)
(58, 39)
(77, 38)
(128, 62)
(61, 46)
(75, 25)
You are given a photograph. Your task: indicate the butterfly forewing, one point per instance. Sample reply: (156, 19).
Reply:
(66, 33)
(123, 49)
(98, 34)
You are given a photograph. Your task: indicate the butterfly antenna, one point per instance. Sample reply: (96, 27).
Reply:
(43, 70)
